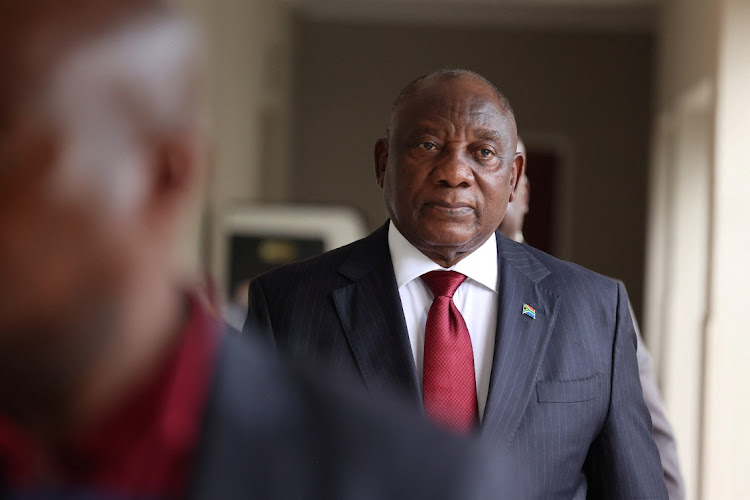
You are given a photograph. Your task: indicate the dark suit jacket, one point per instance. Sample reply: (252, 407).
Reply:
(277, 433)
(564, 397)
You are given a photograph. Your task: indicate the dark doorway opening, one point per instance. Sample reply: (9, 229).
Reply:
(539, 228)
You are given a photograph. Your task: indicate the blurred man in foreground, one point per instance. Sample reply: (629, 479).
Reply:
(512, 227)
(114, 381)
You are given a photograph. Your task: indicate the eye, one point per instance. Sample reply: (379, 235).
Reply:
(485, 153)
(427, 146)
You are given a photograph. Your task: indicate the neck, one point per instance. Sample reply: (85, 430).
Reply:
(449, 256)
(151, 321)
(445, 258)
(144, 325)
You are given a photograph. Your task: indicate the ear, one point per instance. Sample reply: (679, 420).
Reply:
(525, 195)
(381, 160)
(516, 172)
(175, 172)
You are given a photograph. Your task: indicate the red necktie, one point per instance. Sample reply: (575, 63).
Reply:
(449, 384)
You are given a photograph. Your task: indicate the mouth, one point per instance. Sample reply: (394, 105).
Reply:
(451, 209)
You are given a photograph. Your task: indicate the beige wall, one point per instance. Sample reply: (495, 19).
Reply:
(687, 46)
(727, 398)
(676, 314)
(678, 266)
(679, 235)
(699, 240)
(585, 94)
(247, 56)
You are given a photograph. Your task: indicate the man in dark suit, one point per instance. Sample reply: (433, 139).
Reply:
(115, 382)
(477, 331)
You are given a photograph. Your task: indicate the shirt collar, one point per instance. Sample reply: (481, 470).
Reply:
(409, 263)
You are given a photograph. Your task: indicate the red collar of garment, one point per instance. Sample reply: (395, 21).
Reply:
(144, 447)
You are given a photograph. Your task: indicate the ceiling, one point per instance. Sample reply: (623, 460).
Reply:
(600, 15)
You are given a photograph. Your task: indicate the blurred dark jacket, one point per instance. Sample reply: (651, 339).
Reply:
(270, 431)
(275, 432)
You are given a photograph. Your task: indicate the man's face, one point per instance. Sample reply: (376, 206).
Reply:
(449, 168)
(86, 195)
(96, 157)
(57, 259)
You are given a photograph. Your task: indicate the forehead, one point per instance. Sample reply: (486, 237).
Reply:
(461, 103)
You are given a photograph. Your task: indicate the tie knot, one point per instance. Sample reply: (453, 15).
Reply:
(443, 283)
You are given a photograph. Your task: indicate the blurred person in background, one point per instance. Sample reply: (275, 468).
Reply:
(114, 380)
(479, 333)
(512, 227)
(512, 224)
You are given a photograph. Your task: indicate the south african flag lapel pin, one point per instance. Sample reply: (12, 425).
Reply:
(529, 311)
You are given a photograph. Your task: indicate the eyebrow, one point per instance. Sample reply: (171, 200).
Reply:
(423, 130)
(488, 134)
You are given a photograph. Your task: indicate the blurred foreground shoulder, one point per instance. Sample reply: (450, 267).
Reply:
(279, 432)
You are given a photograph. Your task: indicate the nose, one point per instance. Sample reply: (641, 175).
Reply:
(452, 169)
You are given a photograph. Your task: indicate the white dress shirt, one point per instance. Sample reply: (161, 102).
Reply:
(476, 299)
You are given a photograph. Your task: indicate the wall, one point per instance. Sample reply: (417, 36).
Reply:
(727, 400)
(699, 240)
(587, 95)
(678, 250)
(676, 312)
(687, 47)
(247, 57)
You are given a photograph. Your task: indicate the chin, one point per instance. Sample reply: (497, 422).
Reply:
(447, 236)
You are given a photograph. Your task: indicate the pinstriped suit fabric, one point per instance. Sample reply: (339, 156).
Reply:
(565, 397)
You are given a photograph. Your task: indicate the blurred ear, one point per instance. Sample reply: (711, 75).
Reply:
(516, 172)
(175, 173)
(524, 192)
(381, 160)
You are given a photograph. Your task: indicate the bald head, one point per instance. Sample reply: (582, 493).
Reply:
(412, 89)
(35, 35)
(113, 77)
(95, 69)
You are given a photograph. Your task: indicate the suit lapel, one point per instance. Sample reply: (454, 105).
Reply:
(373, 320)
(520, 341)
